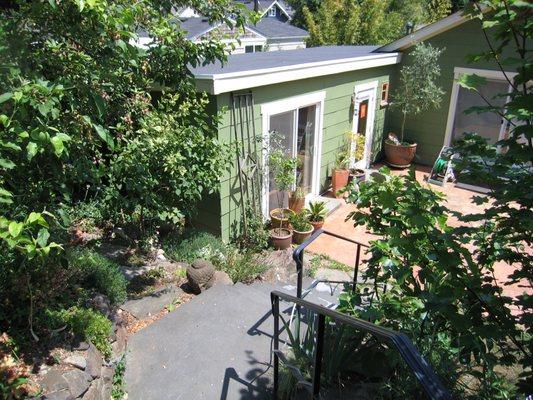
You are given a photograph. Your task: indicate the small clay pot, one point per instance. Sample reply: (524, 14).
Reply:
(357, 175)
(280, 238)
(339, 180)
(299, 237)
(317, 225)
(296, 204)
(277, 221)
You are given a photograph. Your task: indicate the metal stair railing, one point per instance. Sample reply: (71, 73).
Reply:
(418, 365)
(298, 256)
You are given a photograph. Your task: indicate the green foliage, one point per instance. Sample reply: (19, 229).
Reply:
(89, 324)
(87, 116)
(256, 237)
(456, 311)
(438, 9)
(418, 90)
(300, 221)
(242, 267)
(196, 245)
(119, 385)
(282, 169)
(100, 273)
(316, 211)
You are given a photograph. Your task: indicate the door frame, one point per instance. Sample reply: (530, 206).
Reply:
(286, 105)
(457, 72)
(362, 92)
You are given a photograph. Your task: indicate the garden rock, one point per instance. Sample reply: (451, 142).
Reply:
(94, 362)
(76, 361)
(153, 303)
(200, 275)
(78, 382)
(54, 382)
(222, 278)
(100, 303)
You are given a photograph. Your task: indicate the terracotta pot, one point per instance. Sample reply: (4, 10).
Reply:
(317, 225)
(339, 179)
(399, 156)
(277, 221)
(299, 237)
(280, 238)
(296, 204)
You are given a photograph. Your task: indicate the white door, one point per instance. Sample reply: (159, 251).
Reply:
(363, 121)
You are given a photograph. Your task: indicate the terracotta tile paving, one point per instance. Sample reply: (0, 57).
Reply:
(457, 199)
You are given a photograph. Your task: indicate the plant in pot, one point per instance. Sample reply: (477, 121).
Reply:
(418, 92)
(358, 152)
(341, 173)
(316, 214)
(297, 199)
(301, 227)
(282, 170)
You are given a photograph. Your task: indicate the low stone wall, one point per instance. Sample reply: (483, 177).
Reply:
(84, 373)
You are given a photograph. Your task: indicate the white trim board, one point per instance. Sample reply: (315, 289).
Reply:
(285, 105)
(429, 31)
(362, 92)
(228, 82)
(280, 7)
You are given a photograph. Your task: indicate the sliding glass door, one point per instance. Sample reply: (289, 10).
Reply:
(294, 132)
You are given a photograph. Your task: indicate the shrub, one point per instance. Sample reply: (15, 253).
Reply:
(242, 267)
(197, 245)
(88, 323)
(256, 237)
(99, 273)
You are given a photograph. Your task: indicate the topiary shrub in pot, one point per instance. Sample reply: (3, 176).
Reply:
(301, 227)
(316, 214)
(282, 170)
(418, 92)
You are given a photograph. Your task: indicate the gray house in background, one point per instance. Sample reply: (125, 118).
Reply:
(272, 32)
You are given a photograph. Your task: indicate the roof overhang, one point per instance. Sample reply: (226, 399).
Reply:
(221, 82)
(428, 32)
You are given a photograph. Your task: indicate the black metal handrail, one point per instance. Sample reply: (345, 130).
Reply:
(298, 256)
(418, 365)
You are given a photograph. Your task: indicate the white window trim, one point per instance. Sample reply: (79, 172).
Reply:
(458, 71)
(285, 105)
(372, 102)
(272, 11)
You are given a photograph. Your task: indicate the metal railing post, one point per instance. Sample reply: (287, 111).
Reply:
(319, 351)
(356, 267)
(275, 312)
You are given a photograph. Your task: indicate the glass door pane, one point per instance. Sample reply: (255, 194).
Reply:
(305, 147)
(281, 137)
(487, 125)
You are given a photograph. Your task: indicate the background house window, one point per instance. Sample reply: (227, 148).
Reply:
(258, 48)
(253, 49)
(272, 12)
(249, 49)
(384, 94)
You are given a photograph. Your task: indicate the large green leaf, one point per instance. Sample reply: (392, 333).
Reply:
(104, 135)
(471, 81)
(5, 97)
(15, 228)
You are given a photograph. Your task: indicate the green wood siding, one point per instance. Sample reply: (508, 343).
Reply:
(337, 121)
(428, 129)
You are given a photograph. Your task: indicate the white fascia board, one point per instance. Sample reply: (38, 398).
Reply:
(426, 32)
(223, 83)
(246, 27)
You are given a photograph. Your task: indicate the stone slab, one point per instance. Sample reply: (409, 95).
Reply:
(152, 304)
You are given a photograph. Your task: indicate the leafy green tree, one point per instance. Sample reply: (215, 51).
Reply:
(89, 114)
(438, 9)
(418, 90)
(461, 319)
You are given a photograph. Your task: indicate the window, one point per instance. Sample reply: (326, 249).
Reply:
(272, 12)
(384, 94)
(249, 49)
(258, 48)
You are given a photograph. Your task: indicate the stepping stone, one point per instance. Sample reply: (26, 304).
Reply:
(152, 304)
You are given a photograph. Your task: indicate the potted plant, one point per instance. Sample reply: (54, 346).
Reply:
(297, 200)
(301, 227)
(316, 214)
(358, 152)
(282, 170)
(418, 92)
(341, 173)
